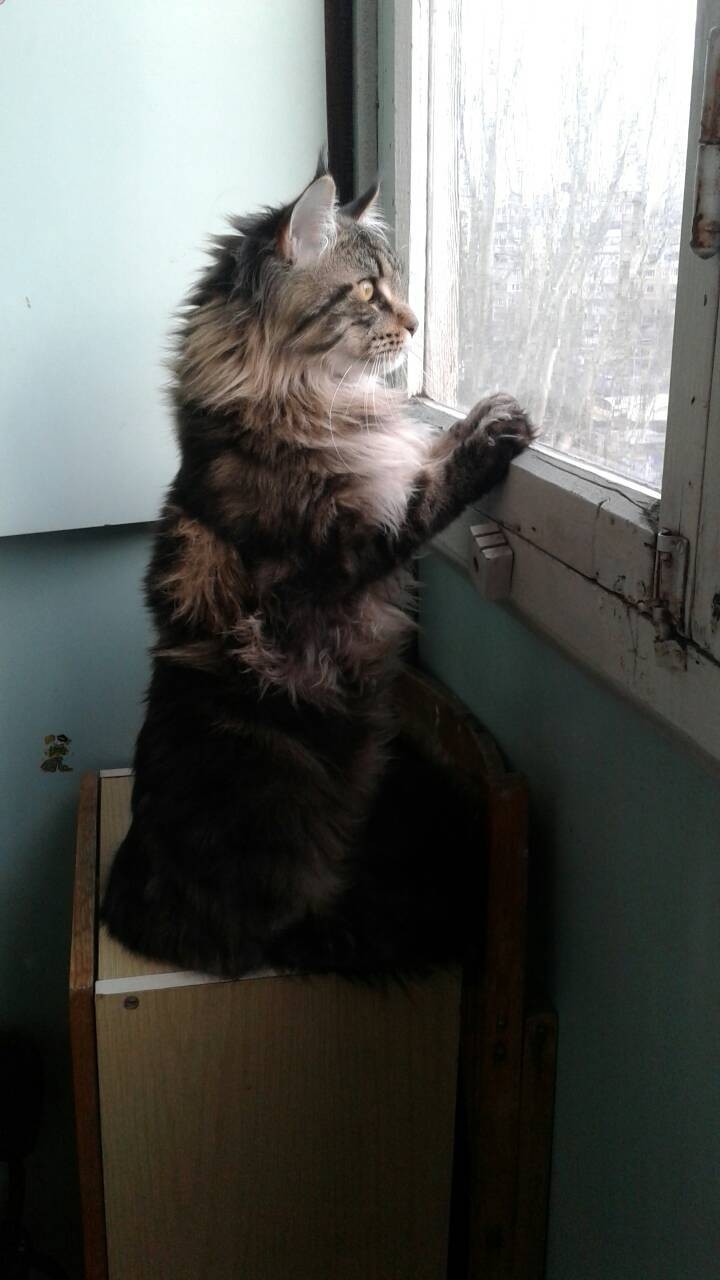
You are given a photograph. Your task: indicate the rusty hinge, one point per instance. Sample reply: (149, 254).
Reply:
(705, 240)
(668, 602)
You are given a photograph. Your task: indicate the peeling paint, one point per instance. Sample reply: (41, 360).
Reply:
(705, 241)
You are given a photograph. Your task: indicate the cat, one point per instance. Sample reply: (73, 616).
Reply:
(265, 779)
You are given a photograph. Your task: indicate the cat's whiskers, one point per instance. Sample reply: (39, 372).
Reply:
(358, 385)
(384, 372)
(363, 383)
(382, 360)
(366, 396)
(332, 406)
(371, 387)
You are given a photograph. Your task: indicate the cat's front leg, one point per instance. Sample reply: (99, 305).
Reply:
(460, 466)
(500, 416)
(475, 453)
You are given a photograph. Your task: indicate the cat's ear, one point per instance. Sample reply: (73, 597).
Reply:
(311, 226)
(365, 208)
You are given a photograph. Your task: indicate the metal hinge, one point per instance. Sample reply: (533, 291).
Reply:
(491, 560)
(668, 602)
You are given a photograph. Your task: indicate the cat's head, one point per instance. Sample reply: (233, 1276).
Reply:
(307, 287)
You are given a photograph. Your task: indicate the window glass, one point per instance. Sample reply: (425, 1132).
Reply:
(557, 152)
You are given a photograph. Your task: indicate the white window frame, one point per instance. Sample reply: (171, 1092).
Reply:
(587, 569)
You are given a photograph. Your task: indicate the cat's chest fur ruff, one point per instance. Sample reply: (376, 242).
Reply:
(312, 646)
(381, 466)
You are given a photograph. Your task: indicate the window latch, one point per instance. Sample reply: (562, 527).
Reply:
(491, 560)
(705, 240)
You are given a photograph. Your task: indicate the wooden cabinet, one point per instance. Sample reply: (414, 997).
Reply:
(277, 1126)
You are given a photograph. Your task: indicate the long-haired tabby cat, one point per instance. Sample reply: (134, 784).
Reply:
(270, 825)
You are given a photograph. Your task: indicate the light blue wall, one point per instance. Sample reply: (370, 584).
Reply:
(626, 856)
(73, 640)
(129, 132)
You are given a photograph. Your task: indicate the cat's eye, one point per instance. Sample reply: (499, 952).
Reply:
(364, 290)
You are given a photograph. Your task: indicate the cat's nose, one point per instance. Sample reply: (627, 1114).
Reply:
(408, 319)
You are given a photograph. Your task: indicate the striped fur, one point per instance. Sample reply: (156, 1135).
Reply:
(278, 585)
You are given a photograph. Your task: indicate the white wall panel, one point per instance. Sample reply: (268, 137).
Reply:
(127, 132)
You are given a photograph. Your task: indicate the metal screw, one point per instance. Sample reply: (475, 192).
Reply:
(131, 1002)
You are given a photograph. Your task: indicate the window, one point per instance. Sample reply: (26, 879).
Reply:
(569, 153)
(541, 187)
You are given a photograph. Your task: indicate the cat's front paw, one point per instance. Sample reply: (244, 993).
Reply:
(503, 422)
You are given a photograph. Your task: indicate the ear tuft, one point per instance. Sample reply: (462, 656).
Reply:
(311, 228)
(365, 209)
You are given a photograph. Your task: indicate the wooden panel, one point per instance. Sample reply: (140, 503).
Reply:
(445, 730)
(82, 1033)
(507, 1068)
(114, 961)
(279, 1127)
(536, 1125)
(115, 797)
(492, 1039)
(493, 981)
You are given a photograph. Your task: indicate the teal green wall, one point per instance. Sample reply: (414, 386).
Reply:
(626, 854)
(626, 847)
(73, 640)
